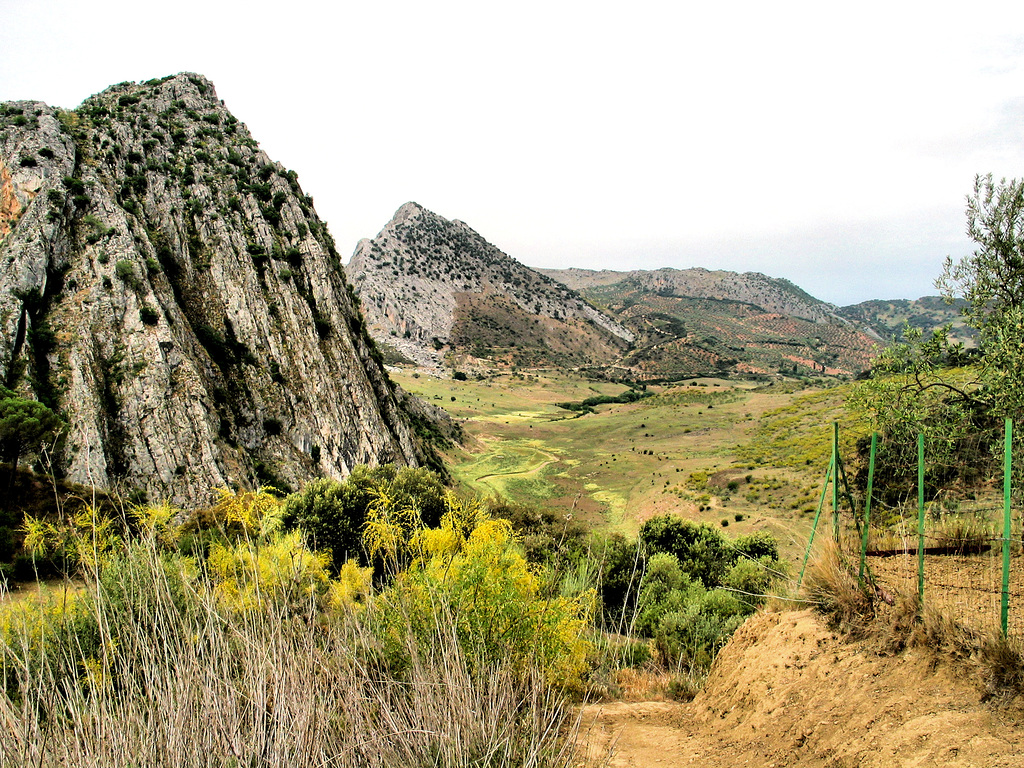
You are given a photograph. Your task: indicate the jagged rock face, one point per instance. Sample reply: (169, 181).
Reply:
(426, 282)
(172, 293)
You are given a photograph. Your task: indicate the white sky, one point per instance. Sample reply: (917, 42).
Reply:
(829, 144)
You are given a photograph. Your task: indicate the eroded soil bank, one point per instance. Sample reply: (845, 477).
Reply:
(787, 692)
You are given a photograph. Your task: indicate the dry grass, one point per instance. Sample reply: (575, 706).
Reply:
(173, 680)
(831, 582)
(997, 661)
(892, 623)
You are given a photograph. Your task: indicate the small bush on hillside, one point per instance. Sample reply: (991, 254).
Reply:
(149, 315)
(332, 513)
(699, 586)
(702, 551)
(126, 273)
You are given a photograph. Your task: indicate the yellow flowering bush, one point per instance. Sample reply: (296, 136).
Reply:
(351, 589)
(469, 575)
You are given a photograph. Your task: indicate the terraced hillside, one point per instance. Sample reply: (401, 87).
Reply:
(698, 322)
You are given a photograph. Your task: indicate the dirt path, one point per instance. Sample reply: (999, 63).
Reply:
(786, 692)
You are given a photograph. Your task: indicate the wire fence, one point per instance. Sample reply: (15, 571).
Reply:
(938, 519)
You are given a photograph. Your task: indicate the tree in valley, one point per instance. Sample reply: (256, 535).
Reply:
(24, 424)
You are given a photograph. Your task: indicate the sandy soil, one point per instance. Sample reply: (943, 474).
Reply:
(787, 692)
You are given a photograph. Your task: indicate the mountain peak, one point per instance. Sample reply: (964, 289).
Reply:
(408, 211)
(428, 284)
(170, 290)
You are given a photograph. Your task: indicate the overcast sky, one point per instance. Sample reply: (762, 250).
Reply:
(830, 144)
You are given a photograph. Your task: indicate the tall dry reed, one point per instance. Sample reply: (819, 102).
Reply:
(148, 669)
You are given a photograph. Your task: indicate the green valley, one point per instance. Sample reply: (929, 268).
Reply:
(742, 455)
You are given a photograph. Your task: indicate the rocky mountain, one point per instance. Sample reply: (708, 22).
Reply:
(430, 287)
(771, 294)
(437, 292)
(170, 291)
(695, 321)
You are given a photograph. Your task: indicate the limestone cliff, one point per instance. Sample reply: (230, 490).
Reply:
(172, 293)
(429, 284)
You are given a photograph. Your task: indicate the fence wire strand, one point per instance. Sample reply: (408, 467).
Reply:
(963, 526)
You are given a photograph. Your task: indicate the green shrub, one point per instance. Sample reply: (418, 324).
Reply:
(149, 315)
(323, 326)
(125, 272)
(757, 545)
(622, 568)
(703, 552)
(332, 513)
(689, 622)
(689, 638)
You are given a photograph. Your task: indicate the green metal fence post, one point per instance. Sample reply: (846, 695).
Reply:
(814, 525)
(1004, 608)
(920, 521)
(835, 480)
(867, 507)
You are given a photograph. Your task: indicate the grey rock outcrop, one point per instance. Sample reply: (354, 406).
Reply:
(427, 282)
(171, 292)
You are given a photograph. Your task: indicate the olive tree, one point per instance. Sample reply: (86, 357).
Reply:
(958, 398)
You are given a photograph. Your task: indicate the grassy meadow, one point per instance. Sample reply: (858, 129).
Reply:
(741, 455)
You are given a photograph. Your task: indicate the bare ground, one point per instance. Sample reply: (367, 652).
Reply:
(787, 692)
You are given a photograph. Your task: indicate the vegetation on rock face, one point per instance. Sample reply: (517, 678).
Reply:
(24, 425)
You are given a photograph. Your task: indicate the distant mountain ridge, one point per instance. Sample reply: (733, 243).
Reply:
(769, 293)
(439, 293)
(699, 322)
(428, 284)
(888, 318)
